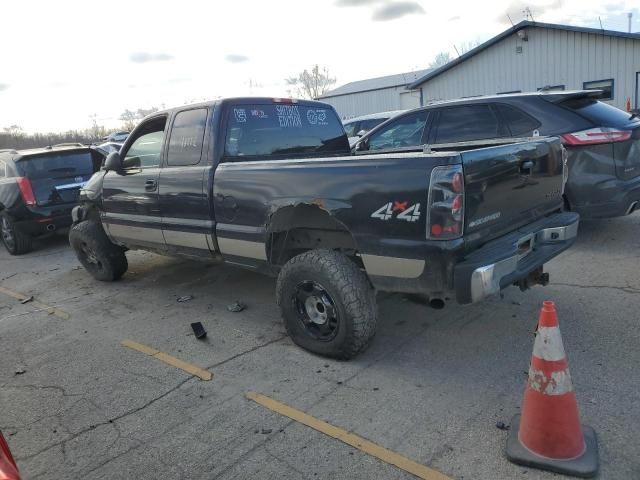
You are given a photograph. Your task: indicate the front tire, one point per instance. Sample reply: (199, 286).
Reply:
(327, 304)
(15, 241)
(101, 258)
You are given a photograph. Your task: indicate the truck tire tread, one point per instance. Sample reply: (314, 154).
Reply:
(112, 259)
(354, 293)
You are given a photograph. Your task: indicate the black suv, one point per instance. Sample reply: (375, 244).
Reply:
(38, 189)
(603, 142)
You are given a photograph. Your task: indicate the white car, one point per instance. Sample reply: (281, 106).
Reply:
(356, 127)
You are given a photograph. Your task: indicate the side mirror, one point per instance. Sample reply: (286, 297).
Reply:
(361, 133)
(113, 162)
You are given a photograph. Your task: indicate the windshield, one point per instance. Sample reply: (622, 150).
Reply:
(600, 113)
(273, 129)
(55, 165)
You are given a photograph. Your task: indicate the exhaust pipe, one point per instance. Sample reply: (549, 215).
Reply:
(51, 227)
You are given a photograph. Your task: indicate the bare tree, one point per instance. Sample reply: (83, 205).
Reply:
(466, 46)
(311, 84)
(129, 119)
(440, 59)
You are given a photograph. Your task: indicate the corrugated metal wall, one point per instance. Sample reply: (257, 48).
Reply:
(549, 57)
(356, 104)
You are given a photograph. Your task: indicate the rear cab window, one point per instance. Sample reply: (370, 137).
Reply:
(187, 137)
(280, 130)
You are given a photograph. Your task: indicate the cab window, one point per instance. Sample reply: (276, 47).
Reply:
(187, 137)
(406, 131)
(350, 128)
(146, 149)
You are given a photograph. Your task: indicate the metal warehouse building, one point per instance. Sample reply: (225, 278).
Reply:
(375, 95)
(533, 56)
(529, 56)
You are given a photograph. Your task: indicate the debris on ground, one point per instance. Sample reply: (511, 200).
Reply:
(198, 330)
(19, 371)
(236, 307)
(502, 426)
(185, 298)
(26, 300)
(266, 431)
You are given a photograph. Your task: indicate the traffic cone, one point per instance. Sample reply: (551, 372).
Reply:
(548, 434)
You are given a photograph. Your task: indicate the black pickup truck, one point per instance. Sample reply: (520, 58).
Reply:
(270, 185)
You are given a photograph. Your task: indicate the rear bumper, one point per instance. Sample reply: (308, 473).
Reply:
(38, 220)
(505, 261)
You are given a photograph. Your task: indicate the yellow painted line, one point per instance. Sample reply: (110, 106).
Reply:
(42, 306)
(168, 359)
(370, 448)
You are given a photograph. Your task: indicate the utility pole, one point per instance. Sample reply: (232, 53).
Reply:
(630, 14)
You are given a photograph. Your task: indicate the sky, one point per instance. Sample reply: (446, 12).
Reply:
(65, 62)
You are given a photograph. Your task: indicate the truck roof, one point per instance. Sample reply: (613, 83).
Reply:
(242, 101)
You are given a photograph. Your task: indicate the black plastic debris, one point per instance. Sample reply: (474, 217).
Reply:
(502, 426)
(185, 298)
(236, 307)
(26, 300)
(19, 371)
(198, 330)
(266, 431)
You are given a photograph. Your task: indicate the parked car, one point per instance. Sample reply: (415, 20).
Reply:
(38, 189)
(270, 185)
(602, 142)
(8, 466)
(107, 147)
(118, 137)
(356, 127)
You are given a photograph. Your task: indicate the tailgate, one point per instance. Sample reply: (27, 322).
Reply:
(511, 185)
(57, 177)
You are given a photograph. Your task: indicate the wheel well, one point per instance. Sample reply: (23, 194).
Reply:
(296, 229)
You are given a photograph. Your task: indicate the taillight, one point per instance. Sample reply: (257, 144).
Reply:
(445, 213)
(26, 191)
(8, 467)
(594, 136)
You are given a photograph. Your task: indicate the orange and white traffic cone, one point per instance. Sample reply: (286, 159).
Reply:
(548, 435)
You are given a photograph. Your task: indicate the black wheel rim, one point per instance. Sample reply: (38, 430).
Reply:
(8, 236)
(316, 311)
(89, 255)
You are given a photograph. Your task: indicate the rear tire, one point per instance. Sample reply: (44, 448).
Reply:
(101, 258)
(15, 241)
(327, 304)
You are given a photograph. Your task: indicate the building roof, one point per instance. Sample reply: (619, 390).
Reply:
(378, 83)
(520, 26)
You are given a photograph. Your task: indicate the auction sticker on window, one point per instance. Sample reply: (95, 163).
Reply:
(288, 116)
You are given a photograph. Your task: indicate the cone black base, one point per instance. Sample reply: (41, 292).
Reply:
(584, 466)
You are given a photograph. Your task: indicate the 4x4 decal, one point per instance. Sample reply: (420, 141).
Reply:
(407, 213)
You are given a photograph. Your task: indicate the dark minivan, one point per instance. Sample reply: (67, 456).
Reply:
(602, 142)
(38, 189)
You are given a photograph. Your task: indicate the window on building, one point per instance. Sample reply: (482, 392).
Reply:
(518, 122)
(605, 85)
(466, 123)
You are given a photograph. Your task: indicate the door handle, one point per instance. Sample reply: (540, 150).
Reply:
(150, 185)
